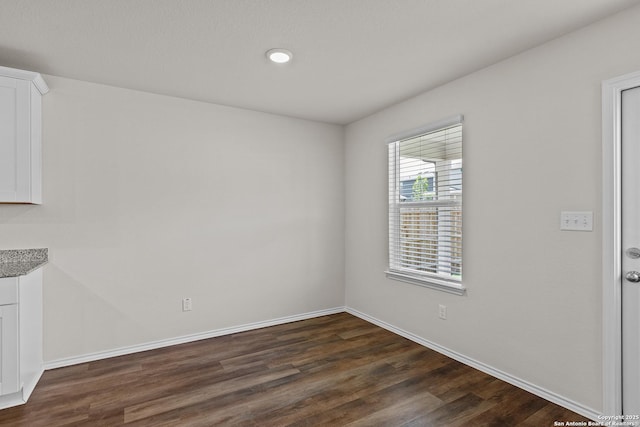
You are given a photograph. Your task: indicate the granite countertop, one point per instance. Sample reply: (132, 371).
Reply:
(18, 262)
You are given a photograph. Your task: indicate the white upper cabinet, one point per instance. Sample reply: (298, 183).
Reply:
(21, 136)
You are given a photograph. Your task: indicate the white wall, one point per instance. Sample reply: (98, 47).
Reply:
(532, 148)
(149, 199)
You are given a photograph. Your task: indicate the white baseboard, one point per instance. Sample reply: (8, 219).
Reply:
(525, 385)
(59, 363)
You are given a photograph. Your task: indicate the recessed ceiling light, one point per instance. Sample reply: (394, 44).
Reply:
(279, 56)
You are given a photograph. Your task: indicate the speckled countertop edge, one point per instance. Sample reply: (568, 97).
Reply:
(18, 262)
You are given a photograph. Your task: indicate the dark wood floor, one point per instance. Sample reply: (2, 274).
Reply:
(329, 371)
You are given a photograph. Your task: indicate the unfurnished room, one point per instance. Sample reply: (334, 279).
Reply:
(320, 213)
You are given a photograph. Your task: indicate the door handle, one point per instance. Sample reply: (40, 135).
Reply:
(633, 276)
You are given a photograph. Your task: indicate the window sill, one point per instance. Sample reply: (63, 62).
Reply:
(428, 282)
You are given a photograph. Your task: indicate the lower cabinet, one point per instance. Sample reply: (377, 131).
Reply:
(9, 377)
(21, 361)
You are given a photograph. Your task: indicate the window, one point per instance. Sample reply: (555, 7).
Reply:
(425, 206)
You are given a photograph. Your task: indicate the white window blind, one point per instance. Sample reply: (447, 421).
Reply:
(425, 207)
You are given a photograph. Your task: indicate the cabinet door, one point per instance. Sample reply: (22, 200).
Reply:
(15, 134)
(9, 368)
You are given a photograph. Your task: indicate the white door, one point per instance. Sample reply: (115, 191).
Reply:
(630, 239)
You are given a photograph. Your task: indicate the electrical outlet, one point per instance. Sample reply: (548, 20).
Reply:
(442, 312)
(186, 304)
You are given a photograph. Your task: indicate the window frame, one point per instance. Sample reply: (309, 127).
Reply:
(408, 275)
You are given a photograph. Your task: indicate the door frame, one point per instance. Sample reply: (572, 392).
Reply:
(611, 240)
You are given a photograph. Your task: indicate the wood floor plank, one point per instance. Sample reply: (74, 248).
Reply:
(329, 371)
(449, 413)
(209, 392)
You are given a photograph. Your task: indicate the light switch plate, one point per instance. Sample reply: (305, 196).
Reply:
(576, 221)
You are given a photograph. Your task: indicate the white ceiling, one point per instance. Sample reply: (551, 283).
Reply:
(351, 57)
